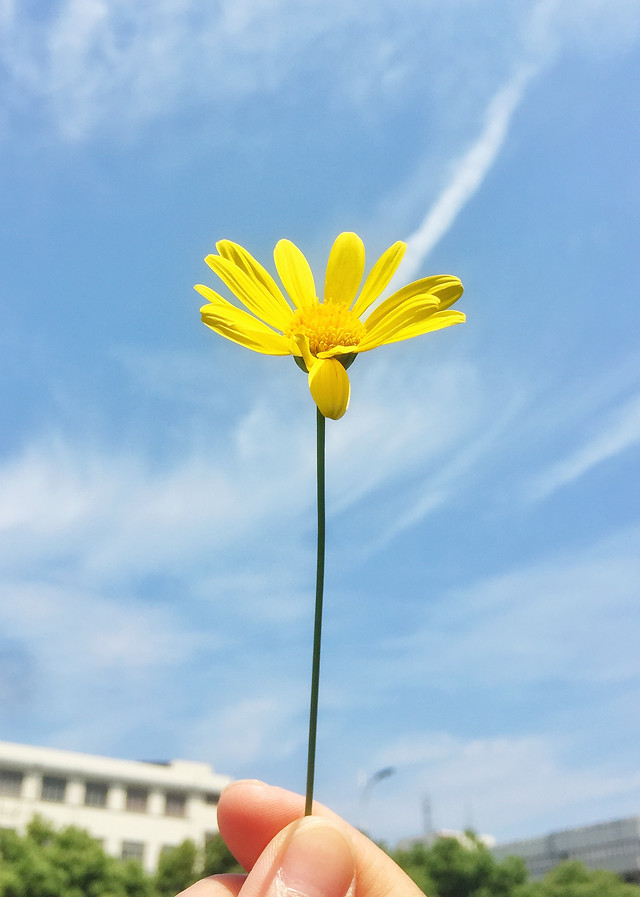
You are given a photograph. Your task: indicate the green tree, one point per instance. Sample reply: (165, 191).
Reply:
(572, 879)
(66, 863)
(82, 866)
(177, 869)
(456, 868)
(218, 858)
(26, 863)
(135, 881)
(414, 863)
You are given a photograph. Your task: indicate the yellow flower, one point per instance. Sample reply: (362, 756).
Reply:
(325, 335)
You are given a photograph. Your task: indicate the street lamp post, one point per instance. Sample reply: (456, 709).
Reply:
(366, 792)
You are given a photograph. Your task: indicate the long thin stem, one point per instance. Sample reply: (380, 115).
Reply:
(317, 626)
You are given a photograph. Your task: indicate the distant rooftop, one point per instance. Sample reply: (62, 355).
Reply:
(136, 808)
(191, 773)
(614, 846)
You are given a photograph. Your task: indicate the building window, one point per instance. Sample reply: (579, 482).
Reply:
(137, 800)
(95, 794)
(175, 803)
(10, 783)
(212, 797)
(133, 850)
(53, 789)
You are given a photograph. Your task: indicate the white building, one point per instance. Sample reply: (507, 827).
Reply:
(607, 845)
(134, 808)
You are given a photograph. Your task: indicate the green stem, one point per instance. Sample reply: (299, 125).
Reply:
(317, 626)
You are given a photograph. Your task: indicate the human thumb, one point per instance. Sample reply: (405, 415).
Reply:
(309, 858)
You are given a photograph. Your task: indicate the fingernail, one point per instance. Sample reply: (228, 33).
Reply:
(317, 862)
(243, 782)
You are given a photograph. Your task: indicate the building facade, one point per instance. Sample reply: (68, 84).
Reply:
(614, 846)
(135, 809)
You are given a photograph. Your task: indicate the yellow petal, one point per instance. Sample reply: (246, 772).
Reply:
(344, 269)
(239, 326)
(329, 385)
(244, 260)
(443, 287)
(295, 274)
(252, 293)
(412, 325)
(406, 315)
(379, 277)
(448, 290)
(302, 344)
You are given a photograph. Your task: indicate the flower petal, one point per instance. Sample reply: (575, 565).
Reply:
(408, 313)
(330, 388)
(408, 325)
(252, 293)
(379, 277)
(448, 292)
(244, 260)
(444, 287)
(301, 343)
(339, 350)
(239, 326)
(295, 274)
(344, 269)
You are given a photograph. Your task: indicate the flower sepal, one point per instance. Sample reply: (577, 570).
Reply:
(345, 360)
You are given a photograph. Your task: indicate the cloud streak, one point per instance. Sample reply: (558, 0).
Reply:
(545, 28)
(120, 513)
(469, 172)
(501, 786)
(619, 432)
(536, 623)
(91, 64)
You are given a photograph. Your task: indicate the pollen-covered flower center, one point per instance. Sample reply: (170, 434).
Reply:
(327, 326)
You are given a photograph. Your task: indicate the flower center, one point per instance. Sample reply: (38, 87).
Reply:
(327, 326)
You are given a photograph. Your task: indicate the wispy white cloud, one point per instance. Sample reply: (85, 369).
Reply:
(566, 617)
(95, 64)
(596, 28)
(469, 172)
(91, 666)
(114, 513)
(94, 634)
(229, 525)
(457, 468)
(499, 786)
(404, 430)
(618, 431)
(546, 27)
(243, 733)
(91, 64)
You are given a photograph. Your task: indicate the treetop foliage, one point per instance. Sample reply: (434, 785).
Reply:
(68, 862)
(451, 868)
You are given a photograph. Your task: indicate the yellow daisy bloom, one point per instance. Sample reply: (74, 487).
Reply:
(324, 336)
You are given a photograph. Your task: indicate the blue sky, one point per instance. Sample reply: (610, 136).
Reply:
(157, 483)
